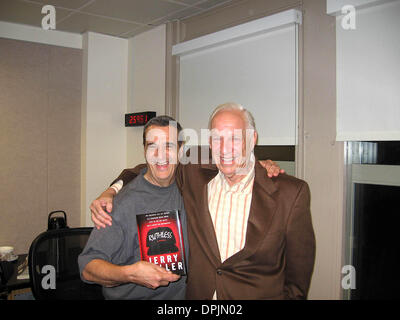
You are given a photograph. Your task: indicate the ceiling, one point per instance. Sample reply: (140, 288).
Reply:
(120, 18)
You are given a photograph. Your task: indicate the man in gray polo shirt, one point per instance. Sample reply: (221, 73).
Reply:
(111, 256)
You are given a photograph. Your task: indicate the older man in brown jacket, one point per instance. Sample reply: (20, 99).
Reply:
(250, 236)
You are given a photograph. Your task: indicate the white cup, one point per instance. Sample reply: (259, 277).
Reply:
(6, 253)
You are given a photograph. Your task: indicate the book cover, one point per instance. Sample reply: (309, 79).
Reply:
(161, 240)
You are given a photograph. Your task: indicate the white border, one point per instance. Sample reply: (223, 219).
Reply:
(35, 34)
(238, 32)
(367, 136)
(334, 7)
(387, 175)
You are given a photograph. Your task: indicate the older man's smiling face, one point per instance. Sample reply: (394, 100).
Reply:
(228, 143)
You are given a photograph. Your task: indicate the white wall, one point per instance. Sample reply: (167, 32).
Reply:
(146, 84)
(104, 104)
(119, 76)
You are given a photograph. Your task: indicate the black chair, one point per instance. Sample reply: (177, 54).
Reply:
(55, 253)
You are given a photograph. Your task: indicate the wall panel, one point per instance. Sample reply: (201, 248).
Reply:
(39, 142)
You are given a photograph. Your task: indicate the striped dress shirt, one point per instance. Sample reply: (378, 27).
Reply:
(229, 208)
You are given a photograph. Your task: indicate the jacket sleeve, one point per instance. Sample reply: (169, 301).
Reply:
(127, 175)
(180, 176)
(300, 247)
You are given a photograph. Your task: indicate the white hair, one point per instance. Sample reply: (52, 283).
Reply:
(248, 117)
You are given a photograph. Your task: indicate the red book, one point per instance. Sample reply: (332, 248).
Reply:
(161, 240)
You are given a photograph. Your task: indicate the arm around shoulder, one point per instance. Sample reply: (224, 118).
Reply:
(101, 207)
(127, 175)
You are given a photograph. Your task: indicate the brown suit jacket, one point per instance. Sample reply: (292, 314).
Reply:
(278, 257)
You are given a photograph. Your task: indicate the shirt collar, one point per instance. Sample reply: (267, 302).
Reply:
(243, 185)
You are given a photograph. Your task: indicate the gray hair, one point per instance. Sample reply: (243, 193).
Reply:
(248, 117)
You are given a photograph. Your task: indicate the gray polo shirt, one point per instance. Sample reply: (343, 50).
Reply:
(119, 244)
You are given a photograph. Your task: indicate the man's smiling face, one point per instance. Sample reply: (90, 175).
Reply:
(228, 142)
(161, 153)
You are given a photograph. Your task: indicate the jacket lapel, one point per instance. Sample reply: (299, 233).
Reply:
(204, 225)
(210, 237)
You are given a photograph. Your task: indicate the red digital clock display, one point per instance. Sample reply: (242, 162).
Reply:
(138, 119)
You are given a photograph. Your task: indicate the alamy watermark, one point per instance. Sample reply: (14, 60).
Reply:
(227, 147)
(49, 280)
(349, 280)
(348, 21)
(49, 20)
